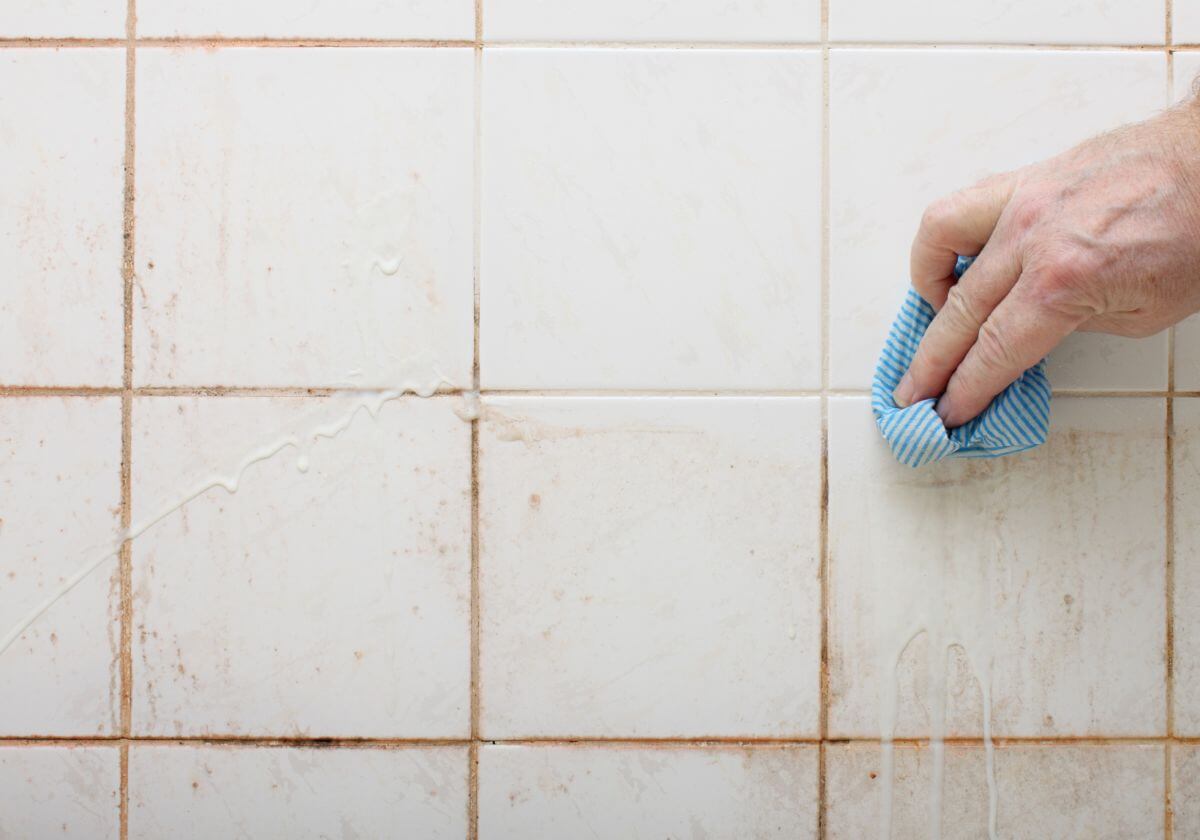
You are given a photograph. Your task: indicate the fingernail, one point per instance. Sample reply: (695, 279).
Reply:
(905, 391)
(945, 410)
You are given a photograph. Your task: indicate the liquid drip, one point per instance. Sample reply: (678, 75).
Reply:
(914, 602)
(302, 440)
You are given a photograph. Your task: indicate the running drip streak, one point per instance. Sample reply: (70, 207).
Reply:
(303, 440)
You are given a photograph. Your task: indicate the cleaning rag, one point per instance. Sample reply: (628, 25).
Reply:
(1017, 419)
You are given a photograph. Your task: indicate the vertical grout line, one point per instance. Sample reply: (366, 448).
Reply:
(823, 713)
(477, 170)
(1169, 455)
(127, 273)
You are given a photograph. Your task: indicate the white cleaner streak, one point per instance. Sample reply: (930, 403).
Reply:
(370, 401)
(913, 600)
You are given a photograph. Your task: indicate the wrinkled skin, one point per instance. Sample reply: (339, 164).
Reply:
(1104, 237)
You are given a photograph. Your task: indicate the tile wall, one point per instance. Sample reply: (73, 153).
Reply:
(448, 419)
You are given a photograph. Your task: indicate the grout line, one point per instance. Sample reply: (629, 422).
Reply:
(478, 42)
(697, 742)
(1169, 513)
(476, 211)
(30, 391)
(823, 557)
(125, 562)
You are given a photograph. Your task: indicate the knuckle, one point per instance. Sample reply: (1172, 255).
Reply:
(995, 350)
(1027, 212)
(961, 311)
(940, 214)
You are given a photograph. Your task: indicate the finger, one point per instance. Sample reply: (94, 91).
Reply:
(960, 223)
(1019, 333)
(954, 330)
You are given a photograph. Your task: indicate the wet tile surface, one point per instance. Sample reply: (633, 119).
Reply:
(397, 19)
(330, 602)
(907, 127)
(721, 151)
(227, 791)
(68, 792)
(353, 268)
(1063, 791)
(63, 144)
(564, 791)
(622, 20)
(60, 484)
(634, 552)
(1049, 566)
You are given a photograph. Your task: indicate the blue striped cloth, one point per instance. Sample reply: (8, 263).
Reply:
(1017, 419)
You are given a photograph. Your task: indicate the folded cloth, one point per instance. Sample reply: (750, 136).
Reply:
(1017, 419)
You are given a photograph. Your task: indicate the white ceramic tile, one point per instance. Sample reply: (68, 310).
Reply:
(908, 126)
(613, 794)
(1047, 790)
(62, 140)
(617, 20)
(651, 219)
(1187, 570)
(60, 481)
(331, 602)
(649, 566)
(1185, 789)
(304, 216)
(1051, 564)
(68, 792)
(223, 791)
(62, 19)
(1186, 21)
(1187, 334)
(1010, 22)
(449, 19)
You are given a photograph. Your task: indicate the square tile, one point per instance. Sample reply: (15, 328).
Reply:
(1186, 21)
(329, 602)
(1185, 789)
(60, 478)
(896, 145)
(232, 791)
(651, 219)
(648, 567)
(448, 19)
(613, 794)
(62, 19)
(62, 133)
(1044, 790)
(1015, 22)
(304, 217)
(1187, 334)
(1187, 575)
(69, 792)
(619, 20)
(1038, 577)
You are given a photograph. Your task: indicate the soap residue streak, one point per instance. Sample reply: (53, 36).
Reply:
(912, 601)
(302, 440)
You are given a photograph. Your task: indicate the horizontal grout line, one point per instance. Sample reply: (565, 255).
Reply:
(700, 742)
(302, 391)
(452, 43)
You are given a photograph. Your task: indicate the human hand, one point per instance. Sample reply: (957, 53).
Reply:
(1104, 237)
